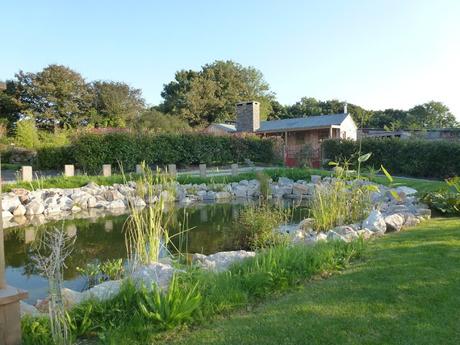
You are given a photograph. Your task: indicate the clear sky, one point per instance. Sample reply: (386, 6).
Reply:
(375, 53)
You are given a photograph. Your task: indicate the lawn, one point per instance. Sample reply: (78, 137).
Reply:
(405, 291)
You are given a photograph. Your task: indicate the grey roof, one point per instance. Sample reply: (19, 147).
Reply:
(302, 122)
(225, 126)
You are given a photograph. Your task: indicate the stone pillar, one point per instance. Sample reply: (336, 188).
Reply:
(26, 173)
(107, 170)
(202, 170)
(234, 169)
(172, 170)
(69, 170)
(139, 169)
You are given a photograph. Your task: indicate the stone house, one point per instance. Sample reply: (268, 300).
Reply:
(302, 136)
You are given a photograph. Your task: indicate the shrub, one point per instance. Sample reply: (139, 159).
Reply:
(260, 224)
(26, 134)
(418, 158)
(446, 201)
(91, 151)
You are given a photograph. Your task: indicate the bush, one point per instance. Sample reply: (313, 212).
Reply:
(446, 201)
(27, 134)
(54, 157)
(91, 151)
(418, 158)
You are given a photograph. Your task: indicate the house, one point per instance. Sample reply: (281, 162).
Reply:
(302, 136)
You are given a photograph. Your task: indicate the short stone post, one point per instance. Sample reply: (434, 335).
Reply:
(202, 170)
(69, 170)
(139, 169)
(172, 170)
(26, 173)
(234, 169)
(107, 170)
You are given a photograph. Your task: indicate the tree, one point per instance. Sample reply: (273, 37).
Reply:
(156, 121)
(210, 95)
(115, 103)
(9, 105)
(431, 115)
(56, 96)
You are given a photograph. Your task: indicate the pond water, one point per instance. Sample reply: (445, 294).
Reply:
(213, 228)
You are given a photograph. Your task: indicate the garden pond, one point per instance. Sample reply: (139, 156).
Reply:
(204, 228)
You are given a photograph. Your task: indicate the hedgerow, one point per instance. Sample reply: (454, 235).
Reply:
(418, 158)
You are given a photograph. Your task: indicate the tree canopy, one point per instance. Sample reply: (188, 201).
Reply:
(210, 95)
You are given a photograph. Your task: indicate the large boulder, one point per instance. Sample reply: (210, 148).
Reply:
(156, 273)
(10, 203)
(28, 310)
(300, 189)
(394, 222)
(34, 207)
(347, 232)
(375, 222)
(103, 291)
(406, 190)
(19, 211)
(220, 261)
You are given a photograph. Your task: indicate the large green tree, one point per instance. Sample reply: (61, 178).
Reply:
(56, 96)
(210, 95)
(154, 120)
(431, 115)
(115, 103)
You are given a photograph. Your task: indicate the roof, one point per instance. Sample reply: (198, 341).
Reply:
(316, 121)
(225, 127)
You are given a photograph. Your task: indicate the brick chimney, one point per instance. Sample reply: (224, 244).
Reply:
(247, 116)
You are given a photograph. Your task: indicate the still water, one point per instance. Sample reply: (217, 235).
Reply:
(212, 228)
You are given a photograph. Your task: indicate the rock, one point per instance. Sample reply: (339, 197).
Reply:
(65, 203)
(424, 212)
(10, 203)
(394, 222)
(315, 179)
(241, 192)
(288, 228)
(333, 236)
(209, 196)
(406, 190)
(307, 224)
(375, 222)
(410, 220)
(156, 273)
(7, 215)
(103, 291)
(115, 204)
(19, 211)
(138, 202)
(91, 202)
(22, 155)
(71, 297)
(284, 181)
(300, 189)
(346, 232)
(223, 195)
(113, 195)
(321, 236)
(34, 207)
(28, 310)
(220, 261)
(365, 233)
(75, 209)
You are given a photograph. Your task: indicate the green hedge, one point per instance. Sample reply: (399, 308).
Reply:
(90, 151)
(418, 158)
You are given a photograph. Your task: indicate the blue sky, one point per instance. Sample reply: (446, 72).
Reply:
(376, 53)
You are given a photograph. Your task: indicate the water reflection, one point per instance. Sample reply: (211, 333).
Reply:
(213, 228)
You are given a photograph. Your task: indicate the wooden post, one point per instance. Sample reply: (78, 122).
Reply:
(234, 169)
(172, 170)
(106, 170)
(10, 315)
(69, 170)
(26, 173)
(202, 170)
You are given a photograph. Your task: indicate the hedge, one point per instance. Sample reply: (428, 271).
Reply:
(418, 158)
(90, 151)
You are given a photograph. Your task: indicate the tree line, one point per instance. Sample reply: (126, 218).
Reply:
(59, 97)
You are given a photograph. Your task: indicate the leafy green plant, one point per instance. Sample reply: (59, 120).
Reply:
(170, 308)
(36, 331)
(260, 223)
(112, 269)
(92, 273)
(446, 201)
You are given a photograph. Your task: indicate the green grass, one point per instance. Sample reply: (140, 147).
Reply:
(406, 291)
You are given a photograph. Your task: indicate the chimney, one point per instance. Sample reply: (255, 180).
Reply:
(345, 108)
(247, 116)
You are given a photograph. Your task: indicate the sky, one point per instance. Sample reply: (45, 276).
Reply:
(375, 53)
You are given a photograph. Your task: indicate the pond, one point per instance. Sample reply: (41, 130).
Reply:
(212, 228)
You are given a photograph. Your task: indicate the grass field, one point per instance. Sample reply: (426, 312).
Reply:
(405, 291)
